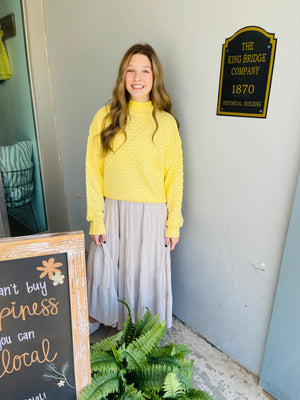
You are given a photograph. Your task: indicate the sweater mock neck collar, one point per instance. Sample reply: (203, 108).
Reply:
(136, 106)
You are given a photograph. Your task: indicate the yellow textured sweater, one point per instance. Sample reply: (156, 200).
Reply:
(139, 169)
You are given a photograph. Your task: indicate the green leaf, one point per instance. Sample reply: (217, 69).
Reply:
(105, 344)
(146, 323)
(149, 378)
(135, 358)
(101, 360)
(153, 396)
(167, 360)
(184, 374)
(194, 394)
(101, 386)
(131, 393)
(180, 351)
(128, 327)
(147, 342)
(163, 351)
(116, 354)
(172, 387)
(174, 354)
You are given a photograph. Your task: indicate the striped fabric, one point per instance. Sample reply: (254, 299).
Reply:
(16, 167)
(17, 156)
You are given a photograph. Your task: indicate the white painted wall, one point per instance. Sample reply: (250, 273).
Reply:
(240, 173)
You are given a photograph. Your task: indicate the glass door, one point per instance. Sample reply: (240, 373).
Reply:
(19, 150)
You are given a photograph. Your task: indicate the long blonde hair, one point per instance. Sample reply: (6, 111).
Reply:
(116, 118)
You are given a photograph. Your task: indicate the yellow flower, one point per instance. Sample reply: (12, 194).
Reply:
(50, 268)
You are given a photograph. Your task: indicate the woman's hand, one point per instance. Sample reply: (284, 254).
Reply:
(98, 239)
(173, 241)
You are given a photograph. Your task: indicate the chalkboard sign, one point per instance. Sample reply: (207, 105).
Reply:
(246, 73)
(44, 340)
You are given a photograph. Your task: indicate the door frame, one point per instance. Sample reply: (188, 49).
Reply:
(44, 115)
(4, 225)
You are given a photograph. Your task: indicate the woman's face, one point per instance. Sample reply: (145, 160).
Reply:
(139, 78)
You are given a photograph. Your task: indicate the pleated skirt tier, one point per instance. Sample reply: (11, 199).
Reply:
(133, 265)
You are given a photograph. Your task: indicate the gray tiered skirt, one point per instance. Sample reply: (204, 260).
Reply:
(134, 264)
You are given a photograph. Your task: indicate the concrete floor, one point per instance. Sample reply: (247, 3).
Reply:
(214, 372)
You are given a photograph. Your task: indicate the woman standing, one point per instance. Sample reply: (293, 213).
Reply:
(134, 179)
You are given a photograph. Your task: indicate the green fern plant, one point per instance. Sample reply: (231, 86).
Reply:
(131, 366)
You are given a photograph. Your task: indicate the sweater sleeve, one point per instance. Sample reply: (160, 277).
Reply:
(174, 183)
(94, 168)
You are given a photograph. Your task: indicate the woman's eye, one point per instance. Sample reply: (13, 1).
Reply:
(146, 71)
(130, 70)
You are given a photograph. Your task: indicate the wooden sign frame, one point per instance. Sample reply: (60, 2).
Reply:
(71, 243)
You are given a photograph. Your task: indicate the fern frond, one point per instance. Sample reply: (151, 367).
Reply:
(127, 306)
(154, 320)
(186, 367)
(143, 322)
(147, 342)
(163, 351)
(105, 344)
(180, 351)
(149, 378)
(184, 374)
(172, 386)
(187, 364)
(122, 377)
(128, 327)
(135, 359)
(131, 393)
(116, 354)
(168, 360)
(101, 360)
(146, 323)
(152, 396)
(100, 387)
(194, 394)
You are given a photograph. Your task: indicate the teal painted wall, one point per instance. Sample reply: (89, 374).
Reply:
(281, 367)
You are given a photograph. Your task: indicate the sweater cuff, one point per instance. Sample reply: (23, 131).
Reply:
(97, 227)
(172, 232)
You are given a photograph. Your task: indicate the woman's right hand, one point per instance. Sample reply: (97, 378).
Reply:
(98, 239)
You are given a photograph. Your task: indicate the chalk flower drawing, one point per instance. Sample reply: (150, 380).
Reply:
(58, 278)
(49, 268)
(53, 373)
